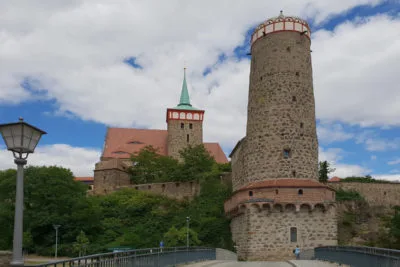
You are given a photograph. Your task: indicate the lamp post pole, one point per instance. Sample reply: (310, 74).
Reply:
(56, 226)
(17, 259)
(21, 138)
(187, 231)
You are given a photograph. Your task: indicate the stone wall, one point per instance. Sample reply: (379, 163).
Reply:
(281, 111)
(265, 234)
(387, 194)
(176, 190)
(107, 181)
(179, 138)
(5, 258)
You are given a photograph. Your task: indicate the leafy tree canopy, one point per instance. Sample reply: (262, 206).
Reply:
(324, 169)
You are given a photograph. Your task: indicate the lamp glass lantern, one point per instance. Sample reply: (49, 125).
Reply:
(21, 138)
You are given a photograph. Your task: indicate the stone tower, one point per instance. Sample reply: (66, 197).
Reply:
(278, 202)
(185, 124)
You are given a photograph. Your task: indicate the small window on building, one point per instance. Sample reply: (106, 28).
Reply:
(297, 73)
(163, 187)
(293, 234)
(384, 193)
(294, 99)
(250, 193)
(294, 173)
(187, 138)
(190, 126)
(300, 192)
(288, 48)
(286, 153)
(182, 125)
(276, 191)
(301, 125)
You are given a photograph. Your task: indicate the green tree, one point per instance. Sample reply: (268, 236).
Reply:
(197, 162)
(324, 170)
(81, 244)
(178, 238)
(149, 166)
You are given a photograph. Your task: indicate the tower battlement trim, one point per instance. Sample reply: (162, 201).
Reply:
(279, 24)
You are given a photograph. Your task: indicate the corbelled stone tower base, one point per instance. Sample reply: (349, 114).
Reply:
(278, 202)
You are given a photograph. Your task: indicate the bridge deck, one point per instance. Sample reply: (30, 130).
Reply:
(292, 263)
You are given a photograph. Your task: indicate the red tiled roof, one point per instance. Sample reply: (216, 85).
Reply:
(122, 142)
(84, 179)
(334, 179)
(284, 182)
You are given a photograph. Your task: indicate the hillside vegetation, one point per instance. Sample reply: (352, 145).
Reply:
(130, 218)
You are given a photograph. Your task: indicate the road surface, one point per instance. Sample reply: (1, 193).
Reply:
(292, 263)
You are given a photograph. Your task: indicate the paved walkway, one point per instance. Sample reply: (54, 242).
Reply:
(292, 263)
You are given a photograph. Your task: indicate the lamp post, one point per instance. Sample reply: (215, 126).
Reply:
(187, 232)
(56, 226)
(21, 139)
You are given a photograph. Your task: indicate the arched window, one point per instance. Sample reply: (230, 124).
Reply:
(190, 126)
(293, 234)
(300, 192)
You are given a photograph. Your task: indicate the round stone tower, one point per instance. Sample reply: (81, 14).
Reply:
(278, 202)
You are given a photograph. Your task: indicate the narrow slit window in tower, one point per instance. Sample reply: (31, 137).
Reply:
(294, 99)
(294, 173)
(190, 126)
(182, 125)
(293, 234)
(276, 191)
(286, 153)
(300, 192)
(297, 73)
(187, 138)
(288, 48)
(250, 193)
(301, 125)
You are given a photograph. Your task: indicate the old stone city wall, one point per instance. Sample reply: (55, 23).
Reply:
(376, 194)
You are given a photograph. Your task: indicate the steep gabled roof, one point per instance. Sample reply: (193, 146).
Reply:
(122, 142)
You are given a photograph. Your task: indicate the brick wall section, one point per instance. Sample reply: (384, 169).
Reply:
(281, 110)
(177, 137)
(375, 194)
(176, 190)
(264, 234)
(5, 258)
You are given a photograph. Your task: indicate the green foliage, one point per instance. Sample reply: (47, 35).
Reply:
(323, 170)
(81, 244)
(363, 179)
(178, 238)
(343, 195)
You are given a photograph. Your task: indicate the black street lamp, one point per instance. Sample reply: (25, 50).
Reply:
(21, 138)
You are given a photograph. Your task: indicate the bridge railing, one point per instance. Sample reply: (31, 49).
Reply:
(355, 256)
(157, 257)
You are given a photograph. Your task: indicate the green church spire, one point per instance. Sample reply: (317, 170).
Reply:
(184, 102)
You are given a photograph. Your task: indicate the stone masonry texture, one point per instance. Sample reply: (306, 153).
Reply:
(281, 111)
(5, 258)
(179, 138)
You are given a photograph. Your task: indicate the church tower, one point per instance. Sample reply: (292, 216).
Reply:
(278, 202)
(184, 124)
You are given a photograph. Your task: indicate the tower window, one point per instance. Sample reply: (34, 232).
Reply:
(300, 192)
(276, 191)
(190, 126)
(294, 99)
(250, 193)
(286, 153)
(297, 73)
(288, 48)
(182, 125)
(301, 125)
(187, 138)
(293, 234)
(294, 173)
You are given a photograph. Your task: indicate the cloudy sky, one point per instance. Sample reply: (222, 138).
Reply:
(75, 67)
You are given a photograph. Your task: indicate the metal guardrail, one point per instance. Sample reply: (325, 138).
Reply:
(355, 256)
(154, 257)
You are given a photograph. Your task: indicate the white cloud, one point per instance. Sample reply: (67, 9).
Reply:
(330, 133)
(373, 142)
(394, 162)
(75, 49)
(79, 160)
(373, 157)
(389, 177)
(356, 72)
(334, 156)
